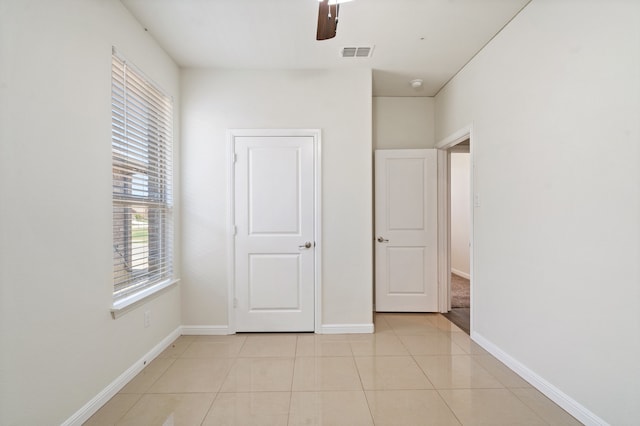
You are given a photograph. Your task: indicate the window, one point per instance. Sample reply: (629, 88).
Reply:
(141, 117)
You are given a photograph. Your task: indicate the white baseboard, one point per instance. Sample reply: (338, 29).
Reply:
(205, 330)
(89, 409)
(346, 329)
(460, 273)
(570, 405)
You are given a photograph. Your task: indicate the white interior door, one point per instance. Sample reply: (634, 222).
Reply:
(406, 230)
(274, 243)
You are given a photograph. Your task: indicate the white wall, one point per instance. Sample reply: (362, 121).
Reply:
(460, 212)
(338, 103)
(59, 345)
(403, 122)
(554, 104)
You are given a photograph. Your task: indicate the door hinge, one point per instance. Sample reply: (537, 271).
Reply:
(235, 158)
(235, 302)
(235, 230)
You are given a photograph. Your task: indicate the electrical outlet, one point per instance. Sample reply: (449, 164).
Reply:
(147, 319)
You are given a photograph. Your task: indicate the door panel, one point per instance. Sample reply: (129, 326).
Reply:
(406, 230)
(405, 270)
(405, 180)
(273, 177)
(274, 282)
(274, 216)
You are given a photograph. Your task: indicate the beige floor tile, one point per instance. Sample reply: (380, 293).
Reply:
(456, 372)
(545, 408)
(168, 409)
(463, 340)
(247, 409)
(259, 374)
(489, 406)
(333, 337)
(381, 325)
(391, 372)
(366, 337)
(347, 408)
(409, 407)
(193, 375)
(269, 345)
(177, 347)
(219, 338)
(411, 324)
(378, 345)
(407, 316)
(307, 379)
(325, 374)
(113, 410)
(148, 376)
(431, 344)
(214, 349)
(317, 346)
(442, 323)
(501, 372)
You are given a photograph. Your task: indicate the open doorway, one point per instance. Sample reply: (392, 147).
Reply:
(459, 167)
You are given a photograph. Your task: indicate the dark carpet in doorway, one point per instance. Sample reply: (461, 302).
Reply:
(460, 292)
(460, 317)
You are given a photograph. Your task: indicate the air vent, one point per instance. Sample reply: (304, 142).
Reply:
(357, 52)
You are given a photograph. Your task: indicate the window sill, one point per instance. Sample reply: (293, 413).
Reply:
(131, 302)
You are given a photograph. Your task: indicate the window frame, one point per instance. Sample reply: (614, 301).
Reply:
(142, 184)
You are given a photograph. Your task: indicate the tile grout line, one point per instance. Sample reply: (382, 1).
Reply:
(126, 411)
(528, 406)
(448, 406)
(293, 373)
(209, 410)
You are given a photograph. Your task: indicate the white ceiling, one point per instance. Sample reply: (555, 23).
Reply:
(426, 39)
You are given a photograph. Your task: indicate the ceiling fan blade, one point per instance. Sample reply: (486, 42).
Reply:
(327, 20)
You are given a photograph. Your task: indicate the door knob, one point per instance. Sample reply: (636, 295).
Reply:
(305, 245)
(382, 240)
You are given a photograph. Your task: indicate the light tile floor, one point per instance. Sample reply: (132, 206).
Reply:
(417, 369)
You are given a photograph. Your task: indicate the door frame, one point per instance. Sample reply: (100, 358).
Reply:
(444, 222)
(232, 134)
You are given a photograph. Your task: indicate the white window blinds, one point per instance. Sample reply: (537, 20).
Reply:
(142, 152)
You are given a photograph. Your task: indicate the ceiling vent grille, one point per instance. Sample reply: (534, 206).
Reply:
(357, 52)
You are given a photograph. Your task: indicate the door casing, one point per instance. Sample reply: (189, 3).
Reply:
(444, 223)
(232, 134)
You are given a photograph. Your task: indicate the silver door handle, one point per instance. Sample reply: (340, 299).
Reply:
(305, 245)
(382, 240)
